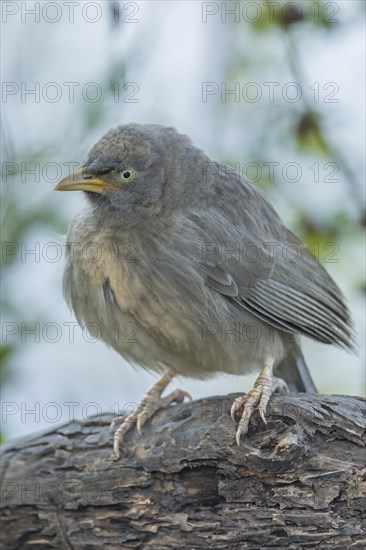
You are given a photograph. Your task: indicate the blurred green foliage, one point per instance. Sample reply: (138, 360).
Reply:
(283, 14)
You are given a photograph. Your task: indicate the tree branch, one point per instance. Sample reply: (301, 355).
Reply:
(298, 482)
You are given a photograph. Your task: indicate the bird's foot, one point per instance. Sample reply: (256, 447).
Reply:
(152, 402)
(265, 385)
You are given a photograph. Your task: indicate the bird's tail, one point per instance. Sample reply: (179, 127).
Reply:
(295, 372)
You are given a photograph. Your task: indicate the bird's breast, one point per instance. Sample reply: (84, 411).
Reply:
(109, 278)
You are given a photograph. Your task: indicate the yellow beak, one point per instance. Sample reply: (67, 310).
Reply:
(80, 180)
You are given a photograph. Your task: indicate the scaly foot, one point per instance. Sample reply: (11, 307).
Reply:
(265, 385)
(151, 403)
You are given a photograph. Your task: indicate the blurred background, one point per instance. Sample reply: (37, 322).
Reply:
(276, 89)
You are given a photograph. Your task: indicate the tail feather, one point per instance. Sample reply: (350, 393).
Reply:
(295, 373)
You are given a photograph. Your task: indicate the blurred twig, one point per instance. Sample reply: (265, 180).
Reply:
(312, 116)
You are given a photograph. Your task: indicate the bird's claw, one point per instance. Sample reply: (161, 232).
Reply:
(151, 403)
(262, 415)
(258, 398)
(236, 406)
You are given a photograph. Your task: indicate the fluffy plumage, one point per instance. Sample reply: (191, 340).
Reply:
(195, 272)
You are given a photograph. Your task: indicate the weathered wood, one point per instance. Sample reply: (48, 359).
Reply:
(298, 482)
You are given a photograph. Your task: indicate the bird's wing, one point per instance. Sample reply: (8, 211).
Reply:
(263, 267)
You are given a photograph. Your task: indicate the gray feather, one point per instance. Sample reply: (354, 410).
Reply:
(210, 260)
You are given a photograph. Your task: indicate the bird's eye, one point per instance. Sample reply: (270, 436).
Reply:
(128, 174)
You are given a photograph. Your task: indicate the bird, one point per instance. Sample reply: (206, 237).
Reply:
(188, 270)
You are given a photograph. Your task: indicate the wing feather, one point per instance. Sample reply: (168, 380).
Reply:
(294, 296)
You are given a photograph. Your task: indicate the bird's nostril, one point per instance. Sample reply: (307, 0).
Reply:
(87, 176)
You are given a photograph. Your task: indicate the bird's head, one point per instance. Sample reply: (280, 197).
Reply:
(134, 172)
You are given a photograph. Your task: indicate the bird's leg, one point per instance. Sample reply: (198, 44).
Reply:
(151, 403)
(264, 386)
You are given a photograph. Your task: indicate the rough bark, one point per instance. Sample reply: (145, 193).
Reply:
(298, 482)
